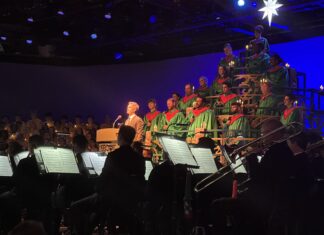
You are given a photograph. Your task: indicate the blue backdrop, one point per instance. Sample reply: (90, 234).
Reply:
(106, 89)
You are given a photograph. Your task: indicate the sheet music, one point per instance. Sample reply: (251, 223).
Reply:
(58, 160)
(238, 162)
(18, 157)
(148, 169)
(98, 162)
(5, 167)
(205, 160)
(86, 159)
(178, 151)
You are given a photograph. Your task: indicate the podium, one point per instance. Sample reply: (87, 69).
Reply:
(107, 139)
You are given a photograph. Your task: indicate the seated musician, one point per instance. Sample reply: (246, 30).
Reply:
(238, 124)
(120, 187)
(188, 99)
(201, 118)
(152, 118)
(173, 120)
(292, 113)
(222, 76)
(203, 89)
(135, 121)
(278, 74)
(268, 193)
(226, 99)
(33, 190)
(258, 63)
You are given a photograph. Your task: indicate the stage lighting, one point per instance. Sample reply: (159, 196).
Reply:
(152, 19)
(66, 33)
(30, 20)
(93, 36)
(118, 56)
(108, 16)
(29, 41)
(60, 13)
(3, 38)
(254, 4)
(240, 3)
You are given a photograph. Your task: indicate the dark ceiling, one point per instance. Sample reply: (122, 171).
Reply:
(142, 30)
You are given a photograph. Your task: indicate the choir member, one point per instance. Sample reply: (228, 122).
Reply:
(229, 57)
(226, 99)
(277, 74)
(292, 113)
(222, 76)
(152, 118)
(173, 120)
(203, 89)
(188, 99)
(238, 124)
(259, 62)
(268, 102)
(258, 30)
(201, 117)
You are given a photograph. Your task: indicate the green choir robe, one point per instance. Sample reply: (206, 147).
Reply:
(203, 92)
(202, 118)
(171, 119)
(154, 119)
(186, 102)
(279, 79)
(217, 86)
(227, 59)
(258, 64)
(291, 115)
(239, 126)
(267, 106)
(230, 69)
(227, 100)
(265, 43)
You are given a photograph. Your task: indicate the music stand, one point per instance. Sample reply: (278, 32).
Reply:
(5, 167)
(205, 160)
(52, 160)
(18, 157)
(93, 162)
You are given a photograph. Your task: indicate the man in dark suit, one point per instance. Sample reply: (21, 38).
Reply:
(135, 121)
(120, 187)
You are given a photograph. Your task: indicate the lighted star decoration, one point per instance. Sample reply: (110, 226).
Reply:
(270, 9)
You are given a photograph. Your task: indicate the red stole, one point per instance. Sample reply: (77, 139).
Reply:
(235, 117)
(187, 98)
(151, 116)
(170, 115)
(197, 112)
(288, 112)
(224, 99)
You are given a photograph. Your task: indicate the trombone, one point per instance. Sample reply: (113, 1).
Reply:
(262, 146)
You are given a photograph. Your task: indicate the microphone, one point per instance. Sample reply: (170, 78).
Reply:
(119, 117)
